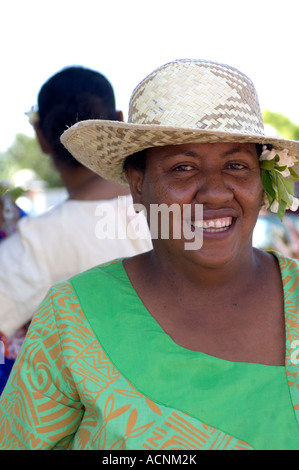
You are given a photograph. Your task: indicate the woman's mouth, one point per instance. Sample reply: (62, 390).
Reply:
(212, 225)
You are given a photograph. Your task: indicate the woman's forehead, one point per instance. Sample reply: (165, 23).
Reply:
(202, 148)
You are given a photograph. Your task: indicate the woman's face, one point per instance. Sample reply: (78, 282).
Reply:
(223, 177)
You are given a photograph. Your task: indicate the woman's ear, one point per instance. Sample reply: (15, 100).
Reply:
(135, 179)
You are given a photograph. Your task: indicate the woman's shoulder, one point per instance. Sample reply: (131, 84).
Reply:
(94, 282)
(66, 291)
(289, 276)
(65, 296)
(286, 264)
(107, 270)
(107, 280)
(58, 316)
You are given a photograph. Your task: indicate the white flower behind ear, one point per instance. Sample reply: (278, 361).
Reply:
(266, 205)
(274, 206)
(284, 159)
(295, 204)
(278, 180)
(32, 115)
(267, 154)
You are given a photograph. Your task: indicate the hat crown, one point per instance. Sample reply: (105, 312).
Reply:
(197, 94)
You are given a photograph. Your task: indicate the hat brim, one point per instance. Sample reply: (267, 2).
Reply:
(102, 146)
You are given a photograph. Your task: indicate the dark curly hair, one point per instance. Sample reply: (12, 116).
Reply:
(73, 94)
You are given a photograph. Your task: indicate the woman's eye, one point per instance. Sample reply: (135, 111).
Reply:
(183, 168)
(236, 166)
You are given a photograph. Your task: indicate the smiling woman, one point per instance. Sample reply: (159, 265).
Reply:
(175, 348)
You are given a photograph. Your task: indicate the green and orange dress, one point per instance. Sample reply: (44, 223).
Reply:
(97, 372)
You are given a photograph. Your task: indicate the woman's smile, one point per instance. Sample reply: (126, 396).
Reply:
(213, 225)
(213, 230)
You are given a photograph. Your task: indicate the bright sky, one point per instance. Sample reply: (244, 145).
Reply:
(127, 39)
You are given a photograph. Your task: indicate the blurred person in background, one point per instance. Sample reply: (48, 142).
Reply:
(63, 241)
(10, 213)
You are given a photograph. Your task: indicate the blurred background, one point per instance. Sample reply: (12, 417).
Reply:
(125, 40)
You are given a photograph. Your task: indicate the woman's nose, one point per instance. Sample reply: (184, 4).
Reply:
(214, 189)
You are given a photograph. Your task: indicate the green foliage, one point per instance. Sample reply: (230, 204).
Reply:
(286, 128)
(285, 187)
(13, 192)
(25, 153)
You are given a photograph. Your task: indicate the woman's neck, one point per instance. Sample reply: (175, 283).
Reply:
(195, 276)
(83, 184)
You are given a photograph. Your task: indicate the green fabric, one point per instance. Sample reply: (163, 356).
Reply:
(249, 401)
(64, 393)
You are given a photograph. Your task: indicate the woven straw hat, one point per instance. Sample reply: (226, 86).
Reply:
(185, 101)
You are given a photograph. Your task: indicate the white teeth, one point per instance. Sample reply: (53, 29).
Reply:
(215, 230)
(212, 224)
(198, 223)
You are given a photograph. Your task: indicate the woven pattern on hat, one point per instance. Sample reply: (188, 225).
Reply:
(197, 95)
